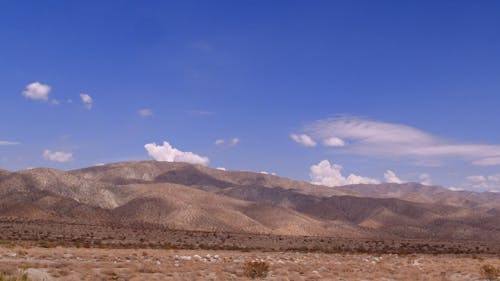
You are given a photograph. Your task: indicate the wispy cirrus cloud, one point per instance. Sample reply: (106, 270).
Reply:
(200, 112)
(303, 139)
(232, 142)
(367, 137)
(145, 112)
(9, 143)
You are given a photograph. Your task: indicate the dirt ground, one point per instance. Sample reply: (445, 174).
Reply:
(154, 264)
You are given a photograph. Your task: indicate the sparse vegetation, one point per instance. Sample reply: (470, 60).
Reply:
(256, 269)
(21, 276)
(490, 272)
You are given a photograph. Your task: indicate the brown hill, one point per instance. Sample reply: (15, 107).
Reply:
(428, 194)
(192, 197)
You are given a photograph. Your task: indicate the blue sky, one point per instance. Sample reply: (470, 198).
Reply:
(256, 71)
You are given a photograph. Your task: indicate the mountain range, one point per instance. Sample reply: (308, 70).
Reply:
(194, 197)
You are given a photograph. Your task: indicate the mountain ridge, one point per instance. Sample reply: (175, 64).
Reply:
(194, 197)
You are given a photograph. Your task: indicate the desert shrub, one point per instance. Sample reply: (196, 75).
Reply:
(256, 269)
(23, 276)
(490, 272)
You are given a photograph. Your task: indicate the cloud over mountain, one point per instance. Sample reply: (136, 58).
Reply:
(57, 156)
(328, 174)
(168, 153)
(374, 138)
(391, 177)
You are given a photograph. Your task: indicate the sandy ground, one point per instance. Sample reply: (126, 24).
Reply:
(147, 264)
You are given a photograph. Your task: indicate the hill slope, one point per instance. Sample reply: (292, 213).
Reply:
(192, 197)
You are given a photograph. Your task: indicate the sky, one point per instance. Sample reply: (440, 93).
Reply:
(331, 92)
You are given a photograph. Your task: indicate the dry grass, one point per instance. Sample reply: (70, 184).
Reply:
(20, 276)
(256, 269)
(68, 264)
(490, 272)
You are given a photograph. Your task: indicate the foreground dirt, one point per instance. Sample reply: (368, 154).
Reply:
(155, 264)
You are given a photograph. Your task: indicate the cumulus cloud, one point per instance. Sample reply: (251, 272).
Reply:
(87, 101)
(57, 156)
(334, 142)
(303, 139)
(425, 179)
(37, 91)
(373, 138)
(391, 177)
(235, 141)
(220, 142)
(168, 153)
(327, 174)
(221, 168)
(145, 112)
(9, 143)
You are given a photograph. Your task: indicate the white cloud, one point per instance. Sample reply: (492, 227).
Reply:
(303, 139)
(87, 101)
(391, 177)
(55, 102)
(232, 142)
(170, 154)
(484, 182)
(334, 142)
(37, 91)
(425, 179)
(235, 141)
(455, 188)
(488, 161)
(9, 143)
(327, 174)
(145, 112)
(476, 178)
(200, 112)
(221, 168)
(373, 138)
(57, 156)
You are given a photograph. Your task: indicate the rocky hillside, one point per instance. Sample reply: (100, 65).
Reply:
(191, 197)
